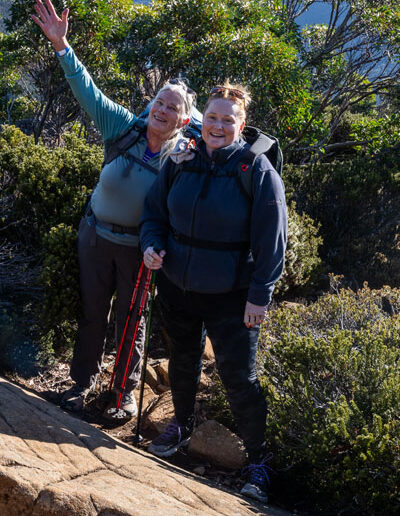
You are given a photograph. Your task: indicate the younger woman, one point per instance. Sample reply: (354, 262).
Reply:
(220, 257)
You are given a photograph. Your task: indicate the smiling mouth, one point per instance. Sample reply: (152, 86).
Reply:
(159, 119)
(217, 135)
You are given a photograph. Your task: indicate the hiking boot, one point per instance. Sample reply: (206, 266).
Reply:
(128, 404)
(173, 438)
(258, 481)
(127, 408)
(74, 398)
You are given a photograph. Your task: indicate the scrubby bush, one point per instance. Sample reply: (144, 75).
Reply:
(46, 190)
(60, 278)
(302, 258)
(356, 202)
(331, 376)
(18, 351)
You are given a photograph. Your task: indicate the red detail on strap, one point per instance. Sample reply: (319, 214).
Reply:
(244, 167)
(191, 144)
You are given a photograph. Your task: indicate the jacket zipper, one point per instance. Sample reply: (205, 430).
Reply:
(191, 231)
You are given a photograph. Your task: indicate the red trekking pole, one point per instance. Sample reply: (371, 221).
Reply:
(137, 437)
(115, 412)
(143, 301)
(128, 318)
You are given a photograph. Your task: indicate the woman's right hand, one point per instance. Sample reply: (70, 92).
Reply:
(153, 260)
(53, 27)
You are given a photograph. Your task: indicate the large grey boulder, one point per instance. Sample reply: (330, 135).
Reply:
(52, 463)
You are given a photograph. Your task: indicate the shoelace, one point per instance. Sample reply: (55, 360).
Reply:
(172, 429)
(258, 473)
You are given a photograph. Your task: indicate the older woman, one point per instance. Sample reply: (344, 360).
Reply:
(220, 257)
(108, 235)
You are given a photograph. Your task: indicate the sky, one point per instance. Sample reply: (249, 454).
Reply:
(317, 13)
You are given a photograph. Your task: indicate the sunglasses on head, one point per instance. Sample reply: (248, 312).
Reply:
(233, 92)
(179, 82)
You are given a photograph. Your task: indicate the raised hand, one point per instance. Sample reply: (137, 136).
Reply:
(53, 27)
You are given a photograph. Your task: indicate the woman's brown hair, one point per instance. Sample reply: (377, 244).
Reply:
(237, 93)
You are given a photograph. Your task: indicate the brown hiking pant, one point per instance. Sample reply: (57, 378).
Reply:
(105, 268)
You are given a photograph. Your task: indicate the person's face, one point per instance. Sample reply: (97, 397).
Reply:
(222, 124)
(167, 113)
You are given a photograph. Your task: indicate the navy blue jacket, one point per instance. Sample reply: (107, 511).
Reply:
(209, 205)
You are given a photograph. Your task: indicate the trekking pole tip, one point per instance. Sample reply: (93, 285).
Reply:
(137, 438)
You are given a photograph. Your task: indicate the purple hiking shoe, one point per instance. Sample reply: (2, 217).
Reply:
(173, 438)
(258, 481)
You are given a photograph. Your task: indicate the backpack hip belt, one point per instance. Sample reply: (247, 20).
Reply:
(114, 228)
(209, 244)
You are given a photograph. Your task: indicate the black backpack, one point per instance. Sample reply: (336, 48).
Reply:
(260, 143)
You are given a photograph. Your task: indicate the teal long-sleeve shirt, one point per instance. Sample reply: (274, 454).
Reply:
(116, 199)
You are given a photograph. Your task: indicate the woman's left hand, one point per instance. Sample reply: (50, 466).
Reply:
(254, 314)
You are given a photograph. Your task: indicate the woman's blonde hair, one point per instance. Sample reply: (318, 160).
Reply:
(237, 93)
(189, 100)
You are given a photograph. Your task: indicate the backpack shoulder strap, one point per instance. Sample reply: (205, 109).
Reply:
(123, 142)
(178, 168)
(260, 143)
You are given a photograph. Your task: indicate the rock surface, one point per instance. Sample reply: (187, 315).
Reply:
(208, 350)
(215, 443)
(151, 377)
(161, 414)
(53, 464)
(162, 371)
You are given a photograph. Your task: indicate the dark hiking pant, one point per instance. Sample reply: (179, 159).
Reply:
(234, 346)
(105, 267)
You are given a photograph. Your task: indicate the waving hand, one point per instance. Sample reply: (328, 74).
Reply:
(53, 27)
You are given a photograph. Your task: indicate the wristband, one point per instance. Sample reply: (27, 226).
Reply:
(62, 52)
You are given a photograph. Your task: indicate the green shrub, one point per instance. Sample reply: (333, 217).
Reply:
(48, 189)
(332, 382)
(344, 130)
(356, 203)
(301, 258)
(18, 351)
(60, 278)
